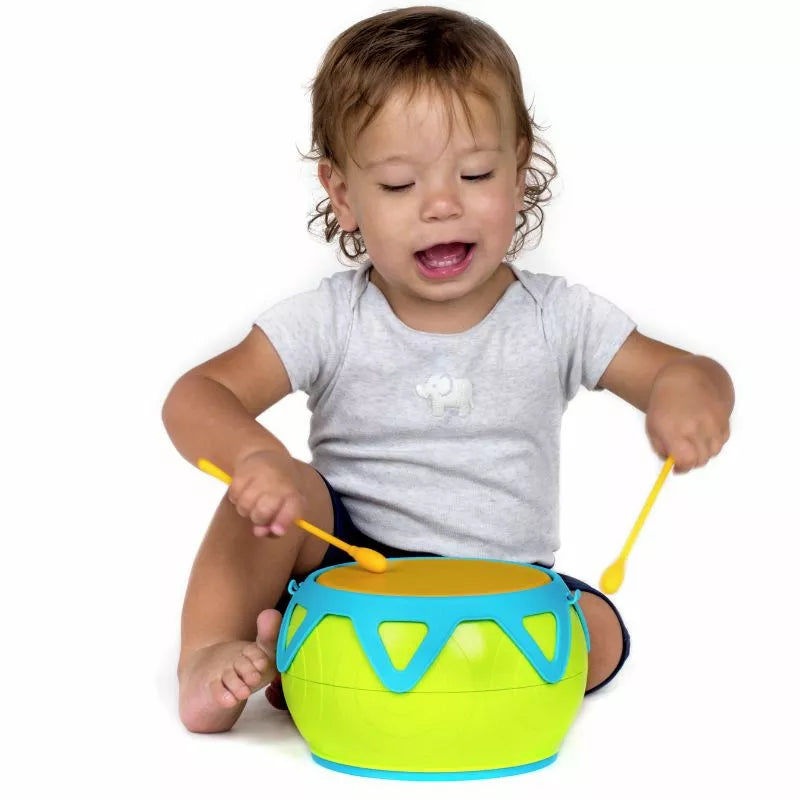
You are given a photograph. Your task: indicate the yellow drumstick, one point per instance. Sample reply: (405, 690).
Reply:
(369, 559)
(613, 576)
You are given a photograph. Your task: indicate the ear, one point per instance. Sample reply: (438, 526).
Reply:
(334, 184)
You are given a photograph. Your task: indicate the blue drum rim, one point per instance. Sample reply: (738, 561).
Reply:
(471, 775)
(507, 609)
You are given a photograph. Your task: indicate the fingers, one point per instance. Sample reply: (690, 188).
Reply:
(262, 506)
(291, 508)
(273, 515)
(687, 455)
(692, 445)
(271, 503)
(659, 446)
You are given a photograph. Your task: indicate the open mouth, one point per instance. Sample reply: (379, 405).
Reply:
(444, 256)
(445, 260)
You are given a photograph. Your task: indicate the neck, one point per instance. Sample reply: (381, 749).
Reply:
(446, 316)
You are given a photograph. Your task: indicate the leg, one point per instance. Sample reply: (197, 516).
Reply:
(605, 633)
(228, 633)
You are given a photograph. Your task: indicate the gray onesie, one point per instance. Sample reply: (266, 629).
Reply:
(439, 442)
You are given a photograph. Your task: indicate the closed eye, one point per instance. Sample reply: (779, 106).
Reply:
(483, 177)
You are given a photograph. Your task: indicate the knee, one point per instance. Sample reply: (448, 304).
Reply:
(605, 634)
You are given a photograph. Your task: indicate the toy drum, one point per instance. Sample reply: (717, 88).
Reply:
(439, 668)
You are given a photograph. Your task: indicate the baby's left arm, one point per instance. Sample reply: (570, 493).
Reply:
(687, 399)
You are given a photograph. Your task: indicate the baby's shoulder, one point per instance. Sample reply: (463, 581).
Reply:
(342, 288)
(545, 289)
(334, 293)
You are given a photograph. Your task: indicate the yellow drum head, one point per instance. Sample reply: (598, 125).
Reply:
(436, 577)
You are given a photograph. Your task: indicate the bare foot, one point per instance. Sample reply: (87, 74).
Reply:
(215, 681)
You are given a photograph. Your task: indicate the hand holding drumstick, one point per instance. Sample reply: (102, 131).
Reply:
(369, 559)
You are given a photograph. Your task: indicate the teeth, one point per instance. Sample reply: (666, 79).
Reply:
(440, 263)
(443, 262)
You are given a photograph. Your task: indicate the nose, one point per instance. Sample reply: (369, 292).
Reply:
(442, 202)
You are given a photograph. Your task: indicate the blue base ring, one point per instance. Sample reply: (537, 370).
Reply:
(478, 774)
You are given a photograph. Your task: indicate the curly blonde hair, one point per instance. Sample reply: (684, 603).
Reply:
(415, 48)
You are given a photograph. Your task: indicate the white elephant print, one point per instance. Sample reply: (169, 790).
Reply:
(446, 392)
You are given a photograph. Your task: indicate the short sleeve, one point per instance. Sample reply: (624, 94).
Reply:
(584, 330)
(308, 331)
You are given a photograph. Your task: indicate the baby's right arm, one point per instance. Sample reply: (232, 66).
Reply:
(211, 413)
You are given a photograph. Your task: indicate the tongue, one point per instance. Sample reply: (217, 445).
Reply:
(451, 253)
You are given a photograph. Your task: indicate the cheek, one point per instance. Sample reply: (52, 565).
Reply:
(389, 215)
(498, 210)
(380, 236)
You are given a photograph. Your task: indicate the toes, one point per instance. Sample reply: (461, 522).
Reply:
(247, 671)
(257, 656)
(234, 684)
(268, 625)
(221, 695)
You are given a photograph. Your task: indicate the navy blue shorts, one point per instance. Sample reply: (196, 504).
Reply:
(344, 528)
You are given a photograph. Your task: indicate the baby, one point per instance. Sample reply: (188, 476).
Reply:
(437, 372)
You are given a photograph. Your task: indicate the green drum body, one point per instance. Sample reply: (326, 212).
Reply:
(438, 669)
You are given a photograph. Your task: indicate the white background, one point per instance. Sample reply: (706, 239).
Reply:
(153, 202)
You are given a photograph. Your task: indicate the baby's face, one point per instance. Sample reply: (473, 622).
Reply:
(455, 189)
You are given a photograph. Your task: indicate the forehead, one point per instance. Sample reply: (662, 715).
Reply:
(423, 126)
